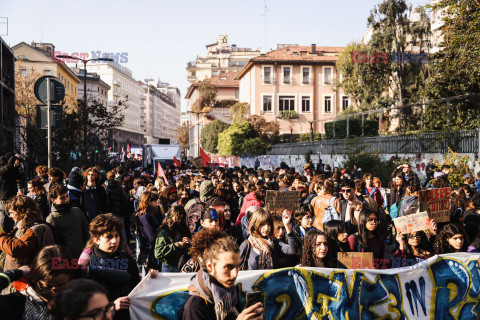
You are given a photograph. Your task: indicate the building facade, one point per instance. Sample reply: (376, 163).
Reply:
(36, 59)
(97, 89)
(294, 86)
(220, 58)
(127, 93)
(7, 99)
(227, 89)
(163, 104)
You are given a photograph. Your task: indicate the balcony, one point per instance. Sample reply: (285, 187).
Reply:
(191, 64)
(115, 93)
(287, 115)
(191, 78)
(116, 83)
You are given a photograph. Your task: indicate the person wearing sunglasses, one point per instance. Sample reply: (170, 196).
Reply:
(367, 239)
(412, 249)
(348, 204)
(83, 299)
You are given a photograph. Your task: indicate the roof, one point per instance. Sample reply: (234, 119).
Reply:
(295, 55)
(223, 80)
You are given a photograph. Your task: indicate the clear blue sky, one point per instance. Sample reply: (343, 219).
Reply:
(162, 36)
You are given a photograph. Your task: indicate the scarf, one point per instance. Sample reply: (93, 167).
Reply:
(263, 248)
(223, 299)
(35, 307)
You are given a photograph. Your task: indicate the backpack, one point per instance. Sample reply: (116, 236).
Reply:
(58, 236)
(193, 215)
(394, 208)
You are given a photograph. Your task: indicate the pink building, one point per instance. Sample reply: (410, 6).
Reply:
(294, 86)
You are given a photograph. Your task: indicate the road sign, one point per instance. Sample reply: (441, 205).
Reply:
(55, 114)
(57, 90)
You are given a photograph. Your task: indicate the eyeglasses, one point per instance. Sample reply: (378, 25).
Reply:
(345, 190)
(414, 236)
(100, 313)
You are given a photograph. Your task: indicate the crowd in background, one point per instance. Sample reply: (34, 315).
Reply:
(74, 244)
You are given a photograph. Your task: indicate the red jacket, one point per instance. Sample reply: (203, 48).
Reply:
(250, 200)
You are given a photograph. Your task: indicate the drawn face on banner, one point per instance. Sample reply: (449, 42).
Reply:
(321, 247)
(225, 268)
(456, 242)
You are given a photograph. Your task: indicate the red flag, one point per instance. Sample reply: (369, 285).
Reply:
(176, 162)
(160, 173)
(123, 150)
(205, 157)
(128, 149)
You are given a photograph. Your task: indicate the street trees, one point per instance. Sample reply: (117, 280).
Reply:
(208, 94)
(183, 135)
(455, 68)
(209, 136)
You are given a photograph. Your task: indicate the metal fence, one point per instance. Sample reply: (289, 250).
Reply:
(463, 141)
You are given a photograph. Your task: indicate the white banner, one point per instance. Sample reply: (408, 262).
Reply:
(442, 287)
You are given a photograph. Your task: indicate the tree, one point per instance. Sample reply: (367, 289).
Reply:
(382, 81)
(209, 136)
(267, 131)
(183, 135)
(208, 94)
(455, 68)
(240, 139)
(238, 111)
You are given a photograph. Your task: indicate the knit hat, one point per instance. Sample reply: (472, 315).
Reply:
(75, 179)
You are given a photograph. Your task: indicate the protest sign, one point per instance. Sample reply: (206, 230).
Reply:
(442, 287)
(356, 260)
(411, 223)
(436, 202)
(278, 201)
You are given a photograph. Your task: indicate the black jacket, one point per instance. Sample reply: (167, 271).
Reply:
(8, 179)
(94, 201)
(117, 199)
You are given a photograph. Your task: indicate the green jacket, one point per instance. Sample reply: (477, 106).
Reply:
(74, 227)
(167, 251)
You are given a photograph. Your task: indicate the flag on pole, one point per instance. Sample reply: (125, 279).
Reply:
(205, 157)
(160, 173)
(176, 162)
(128, 149)
(123, 150)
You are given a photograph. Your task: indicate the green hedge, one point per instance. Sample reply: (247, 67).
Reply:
(355, 128)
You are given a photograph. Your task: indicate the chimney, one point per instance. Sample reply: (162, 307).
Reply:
(314, 48)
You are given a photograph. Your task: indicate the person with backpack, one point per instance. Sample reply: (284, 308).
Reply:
(75, 184)
(324, 204)
(397, 193)
(29, 235)
(67, 220)
(118, 202)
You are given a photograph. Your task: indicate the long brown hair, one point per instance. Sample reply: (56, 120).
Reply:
(168, 224)
(258, 218)
(143, 203)
(308, 250)
(26, 208)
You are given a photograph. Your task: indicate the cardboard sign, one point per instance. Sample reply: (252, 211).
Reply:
(282, 200)
(356, 260)
(437, 202)
(411, 223)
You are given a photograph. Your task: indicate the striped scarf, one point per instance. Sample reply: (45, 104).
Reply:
(263, 247)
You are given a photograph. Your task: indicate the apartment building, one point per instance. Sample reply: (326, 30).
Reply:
(7, 100)
(220, 58)
(294, 86)
(128, 93)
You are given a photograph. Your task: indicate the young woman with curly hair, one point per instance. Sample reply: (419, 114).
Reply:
(212, 290)
(452, 238)
(29, 235)
(315, 251)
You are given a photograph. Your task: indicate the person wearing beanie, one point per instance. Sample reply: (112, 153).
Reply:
(74, 186)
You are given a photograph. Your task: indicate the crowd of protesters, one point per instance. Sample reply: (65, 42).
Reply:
(73, 245)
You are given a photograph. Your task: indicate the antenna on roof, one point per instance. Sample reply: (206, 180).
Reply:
(265, 10)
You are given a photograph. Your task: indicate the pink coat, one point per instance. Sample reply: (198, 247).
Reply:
(250, 200)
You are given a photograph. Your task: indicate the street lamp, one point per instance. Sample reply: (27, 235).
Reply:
(198, 127)
(64, 56)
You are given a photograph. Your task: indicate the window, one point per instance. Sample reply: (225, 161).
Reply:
(306, 75)
(286, 103)
(214, 73)
(48, 72)
(267, 103)
(327, 104)
(23, 72)
(305, 104)
(237, 93)
(327, 76)
(345, 103)
(267, 74)
(286, 75)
